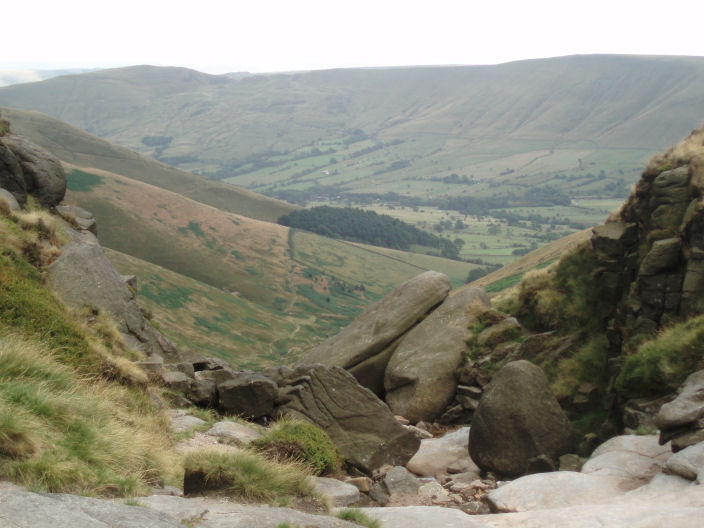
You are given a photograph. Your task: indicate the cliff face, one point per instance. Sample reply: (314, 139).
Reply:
(650, 256)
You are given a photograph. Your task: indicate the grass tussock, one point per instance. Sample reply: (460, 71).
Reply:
(61, 433)
(565, 296)
(250, 476)
(289, 440)
(358, 516)
(587, 364)
(658, 366)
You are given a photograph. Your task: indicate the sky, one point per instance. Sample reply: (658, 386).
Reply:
(276, 35)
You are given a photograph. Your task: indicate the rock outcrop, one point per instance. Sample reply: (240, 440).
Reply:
(682, 420)
(365, 346)
(518, 423)
(83, 276)
(43, 175)
(361, 426)
(421, 377)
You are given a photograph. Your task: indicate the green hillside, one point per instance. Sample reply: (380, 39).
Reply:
(394, 129)
(75, 146)
(249, 291)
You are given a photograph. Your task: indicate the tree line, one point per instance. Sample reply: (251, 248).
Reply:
(367, 227)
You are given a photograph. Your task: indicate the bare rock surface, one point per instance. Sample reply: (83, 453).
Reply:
(553, 490)
(378, 327)
(420, 378)
(360, 424)
(181, 422)
(682, 419)
(403, 517)
(337, 492)
(687, 463)
(436, 454)
(21, 509)
(633, 460)
(9, 199)
(233, 432)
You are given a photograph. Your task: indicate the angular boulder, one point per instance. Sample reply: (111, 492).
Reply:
(420, 379)
(44, 176)
(247, 394)
(83, 276)
(518, 420)
(375, 331)
(682, 419)
(360, 424)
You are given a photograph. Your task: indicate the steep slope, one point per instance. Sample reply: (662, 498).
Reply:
(76, 146)
(246, 290)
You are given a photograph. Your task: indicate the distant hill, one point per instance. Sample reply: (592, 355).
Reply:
(8, 77)
(586, 124)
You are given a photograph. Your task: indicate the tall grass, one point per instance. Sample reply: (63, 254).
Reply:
(249, 475)
(62, 433)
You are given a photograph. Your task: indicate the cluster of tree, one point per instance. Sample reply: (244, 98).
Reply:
(478, 273)
(368, 227)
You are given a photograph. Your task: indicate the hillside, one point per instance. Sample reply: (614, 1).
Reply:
(249, 291)
(76, 146)
(536, 118)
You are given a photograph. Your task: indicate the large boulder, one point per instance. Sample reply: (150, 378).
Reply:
(518, 420)
(365, 346)
(360, 424)
(44, 176)
(436, 454)
(11, 177)
(420, 379)
(83, 276)
(247, 394)
(682, 419)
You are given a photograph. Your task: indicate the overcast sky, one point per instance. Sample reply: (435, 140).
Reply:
(277, 35)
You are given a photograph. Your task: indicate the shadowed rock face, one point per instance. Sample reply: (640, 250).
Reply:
(43, 175)
(365, 346)
(518, 420)
(420, 379)
(360, 424)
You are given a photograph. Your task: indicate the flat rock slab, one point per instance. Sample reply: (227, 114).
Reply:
(22, 509)
(436, 454)
(213, 513)
(338, 492)
(596, 516)
(180, 424)
(430, 516)
(399, 481)
(239, 434)
(553, 490)
(632, 459)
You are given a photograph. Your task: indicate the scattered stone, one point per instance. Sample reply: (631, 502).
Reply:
(570, 462)
(379, 494)
(176, 381)
(338, 492)
(420, 433)
(363, 484)
(436, 454)
(398, 481)
(518, 419)
(434, 492)
(462, 465)
(181, 422)
(234, 433)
